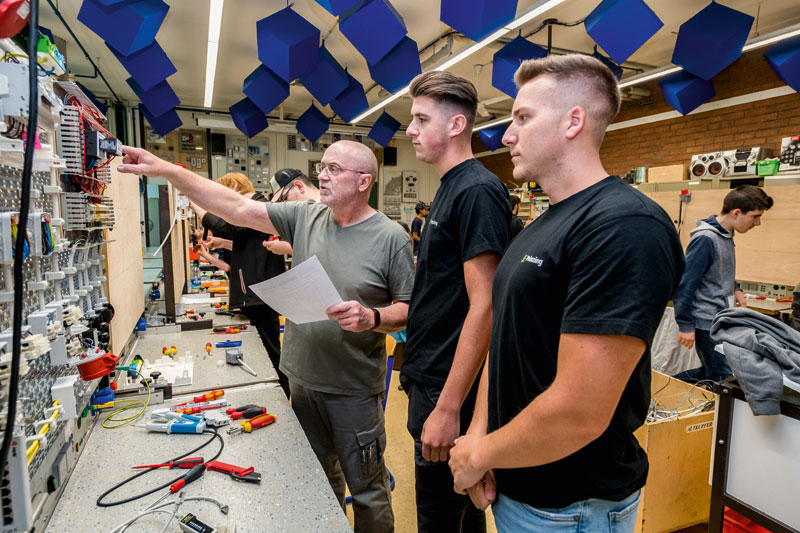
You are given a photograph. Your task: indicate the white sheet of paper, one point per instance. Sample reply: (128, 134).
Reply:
(301, 294)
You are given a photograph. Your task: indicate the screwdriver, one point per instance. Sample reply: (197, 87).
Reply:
(189, 462)
(237, 409)
(250, 413)
(207, 397)
(195, 473)
(196, 409)
(254, 423)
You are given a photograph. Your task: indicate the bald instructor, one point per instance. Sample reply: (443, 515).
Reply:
(336, 368)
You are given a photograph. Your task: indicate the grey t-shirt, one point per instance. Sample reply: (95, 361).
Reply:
(369, 262)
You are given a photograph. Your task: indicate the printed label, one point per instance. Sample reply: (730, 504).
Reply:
(700, 427)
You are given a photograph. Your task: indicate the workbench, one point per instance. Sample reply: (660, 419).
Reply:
(768, 307)
(294, 494)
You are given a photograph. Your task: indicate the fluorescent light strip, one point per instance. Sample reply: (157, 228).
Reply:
(758, 42)
(214, 27)
(541, 7)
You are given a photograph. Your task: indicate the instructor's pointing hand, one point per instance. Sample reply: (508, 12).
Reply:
(140, 161)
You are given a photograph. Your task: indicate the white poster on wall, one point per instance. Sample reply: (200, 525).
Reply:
(410, 186)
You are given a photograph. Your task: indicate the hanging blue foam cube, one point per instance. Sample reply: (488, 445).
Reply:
(507, 61)
(157, 100)
(265, 89)
(711, 40)
(248, 117)
(398, 67)
(477, 18)
(685, 92)
(149, 66)
(615, 69)
(784, 58)
(493, 137)
(351, 102)
(287, 44)
(328, 80)
(621, 27)
(384, 129)
(313, 123)
(163, 123)
(373, 28)
(127, 26)
(337, 7)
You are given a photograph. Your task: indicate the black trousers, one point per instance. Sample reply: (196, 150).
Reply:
(439, 508)
(266, 322)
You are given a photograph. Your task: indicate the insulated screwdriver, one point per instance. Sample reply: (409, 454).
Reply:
(189, 462)
(254, 423)
(250, 413)
(195, 473)
(207, 397)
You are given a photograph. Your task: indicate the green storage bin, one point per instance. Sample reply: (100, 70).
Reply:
(767, 167)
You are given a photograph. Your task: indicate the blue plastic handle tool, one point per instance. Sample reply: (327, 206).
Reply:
(228, 344)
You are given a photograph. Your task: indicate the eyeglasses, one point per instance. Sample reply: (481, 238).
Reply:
(334, 170)
(285, 193)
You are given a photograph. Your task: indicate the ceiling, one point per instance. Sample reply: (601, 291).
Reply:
(183, 36)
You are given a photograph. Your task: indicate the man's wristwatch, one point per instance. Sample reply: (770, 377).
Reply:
(377, 318)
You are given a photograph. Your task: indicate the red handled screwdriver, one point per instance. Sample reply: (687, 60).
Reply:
(231, 410)
(188, 462)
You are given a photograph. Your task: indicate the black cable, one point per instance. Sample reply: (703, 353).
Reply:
(25, 200)
(214, 435)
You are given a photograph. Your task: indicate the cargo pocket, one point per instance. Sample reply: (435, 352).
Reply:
(371, 443)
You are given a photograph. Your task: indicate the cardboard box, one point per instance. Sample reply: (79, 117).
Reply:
(668, 173)
(677, 494)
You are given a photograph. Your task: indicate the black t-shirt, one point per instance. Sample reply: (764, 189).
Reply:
(416, 227)
(470, 215)
(517, 225)
(250, 262)
(603, 261)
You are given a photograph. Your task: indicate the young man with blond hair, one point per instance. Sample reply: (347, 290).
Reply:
(451, 307)
(577, 300)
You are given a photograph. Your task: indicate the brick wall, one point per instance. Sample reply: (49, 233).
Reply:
(674, 141)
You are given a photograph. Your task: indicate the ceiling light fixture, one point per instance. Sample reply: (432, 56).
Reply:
(534, 11)
(214, 26)
(756, 42)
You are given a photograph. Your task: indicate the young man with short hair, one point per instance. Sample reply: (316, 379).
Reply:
(416, 225)
(451, 307)
(577, 301)
(708, 285)
(517, 224)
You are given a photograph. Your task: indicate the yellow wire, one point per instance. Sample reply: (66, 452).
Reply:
(133, 404)
(33, 448)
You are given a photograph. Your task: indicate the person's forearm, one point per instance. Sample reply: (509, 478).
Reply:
(480, 417)
(199, 211)
(219, 200)
(219, 263)
(393, 317)
(470, 353)
(553, 426)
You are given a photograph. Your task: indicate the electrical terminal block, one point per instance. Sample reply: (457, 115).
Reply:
(34, 346)
(8, 223)
(72, 315)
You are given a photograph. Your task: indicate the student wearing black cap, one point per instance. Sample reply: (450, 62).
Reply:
(289, 185)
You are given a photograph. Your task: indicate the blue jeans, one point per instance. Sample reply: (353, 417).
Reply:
(587, 516)
(715, 366)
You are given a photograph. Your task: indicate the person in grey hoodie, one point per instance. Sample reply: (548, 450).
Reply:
(708, 284)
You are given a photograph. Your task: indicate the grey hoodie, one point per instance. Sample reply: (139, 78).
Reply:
(760, 351)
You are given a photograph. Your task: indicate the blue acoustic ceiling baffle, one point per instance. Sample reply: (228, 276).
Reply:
(351, 102)
(507, 61)
(373, 28)
(313, 123)
(328, 80)
(384, 129)
(127, 26)
(265, 89)
(622, 26)
(337, 7)
(477, 18)
(287, 44)
(784, 58)
(248, 117)
(398, 67)
(157, 100)
(686, 92)
(163, 123)
(149, 66)
(711, 40)
(615, 69)
(493, 137)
